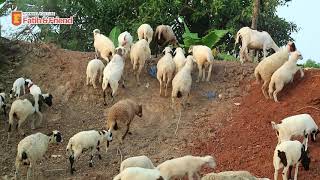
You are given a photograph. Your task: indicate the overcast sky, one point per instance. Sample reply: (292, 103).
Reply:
(306, 14)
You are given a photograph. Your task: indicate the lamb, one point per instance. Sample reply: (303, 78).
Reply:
(269, 65)
(125, 40)
(18, 85)
(231, 175)
(284, 75)
(140, 52)
(253, 39)
(145, 31)
(121, 114)
(286, 155)
(164, 35)
(103, 45)
(3, 103)
(32, 148)
(204, 58)
(112, 73)
(179, 59)
(297, 125)
(190, 165)
(138, 173)
(181, 83)
(87, 140)
(24, 107)
(165, 69)
(137, 161)
(94, 70)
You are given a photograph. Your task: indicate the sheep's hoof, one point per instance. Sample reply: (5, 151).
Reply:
(123, 86)
(99, 156)
(90, 164)
(72, 170)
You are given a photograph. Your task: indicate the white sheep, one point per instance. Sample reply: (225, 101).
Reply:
(204, 58)
(87, 140)
(137, 161)
(94, 70)
(284, 75)
(179, 59)
(165, 69)
(18, 85)
(164, 36)
(297, 125)
(32, 148)
(140, 52)
(253, 39)
(286, 155)
(145, 31)
(125, 40)
(138, 173)
(269, 65)
(103, 45)
(190, 165)
(181, 83)
(3, 103)
(231, 175)
(112, 73)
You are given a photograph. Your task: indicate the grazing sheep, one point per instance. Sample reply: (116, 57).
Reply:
(286, 155)
(3, 103)
(24, 107)
(138, 173)
(164, 36)
(18, 85)
(297, 125)
(145, 31)
(269, 65)
(94, 70)
(121, 114)
(137, 161)
(112, 73)
(87, 140)
(231, 175)
(179, 59)
(284, 75)
(103, 45)
(32, 148)
(253, 39)
(165, 69)
(190, 165)
(204, 58)
(140, 52)
(181, 83)
(125, 40)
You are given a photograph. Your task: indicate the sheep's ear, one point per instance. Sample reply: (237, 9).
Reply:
(50, 134)
(274, 125)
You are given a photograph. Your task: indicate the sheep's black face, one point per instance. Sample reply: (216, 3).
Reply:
(305, 160)
(58, 137)
(292, 47)
(48, 100)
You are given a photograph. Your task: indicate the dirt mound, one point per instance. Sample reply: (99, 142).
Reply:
(246, 141)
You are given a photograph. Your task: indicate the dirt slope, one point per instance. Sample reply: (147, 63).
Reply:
(78, 107)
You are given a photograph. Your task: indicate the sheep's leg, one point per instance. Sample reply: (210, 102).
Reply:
(96, 53)
(91, 157)
(88, 80)
(285, 173)
(296, 171)
(30, 170)
(197, 176)
(190, 175)
(301, 72)
(200, 72)
(275, 176)
(167, 84)
(264, 51)
(278, 89)
(98, 149)
(93, 80)
(138, 74)
(40, 118)
(100, 75)
(264, 89)
(209, 72)
(17, 172)
(203, 73)
(160, 92)
(72, 159)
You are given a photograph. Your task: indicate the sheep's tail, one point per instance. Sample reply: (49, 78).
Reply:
(11, 118)
(179, 94)
(238, 39)
(257, 75)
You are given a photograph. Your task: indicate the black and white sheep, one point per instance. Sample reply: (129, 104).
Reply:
(3, 103)
(18, 86)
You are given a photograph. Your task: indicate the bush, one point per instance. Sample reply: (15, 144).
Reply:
(311, 64)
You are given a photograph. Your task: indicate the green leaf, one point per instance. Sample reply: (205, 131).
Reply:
(213, 37)
(115, 32)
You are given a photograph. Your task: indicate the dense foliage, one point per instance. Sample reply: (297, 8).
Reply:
(201, 16)
(311, 63)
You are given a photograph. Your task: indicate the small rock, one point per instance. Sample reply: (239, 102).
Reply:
(237, 104)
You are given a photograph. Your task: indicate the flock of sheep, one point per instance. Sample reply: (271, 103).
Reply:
(173, 67)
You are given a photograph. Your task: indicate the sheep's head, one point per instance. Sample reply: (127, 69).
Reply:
(107, 134)
(139, 112)
(178, 49)
(47, 99)
(167, 50)
(55, 137)
(314, 134)
(305, 159)
(96, 31)
(292, 46)
(28, 83)
(209, 160)
(120, 51)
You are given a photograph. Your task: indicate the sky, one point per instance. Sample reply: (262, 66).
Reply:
(305, 14)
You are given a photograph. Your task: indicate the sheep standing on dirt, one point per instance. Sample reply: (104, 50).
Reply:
(284, 75)
(297, 125)
(137, 161)
(165, 69)
(103, 45)
(33, 148)
(190, 165)
(121, 114)
(179, 59)
(3, 103)
(87, 140)
(112, 73)
(140, 52)
(94, 70)
(125, 40)
(145, 31)
(269, 65)
(181, 83)
(164, 36)
(253, 39)
(18, 85)
(138, 173)
(231, 175)
(204, 58)
(286, 155)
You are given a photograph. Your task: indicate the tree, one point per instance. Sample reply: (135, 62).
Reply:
(255, 14)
